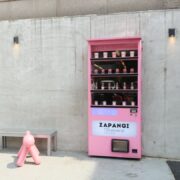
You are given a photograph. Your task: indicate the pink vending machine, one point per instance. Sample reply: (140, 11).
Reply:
(114, 97)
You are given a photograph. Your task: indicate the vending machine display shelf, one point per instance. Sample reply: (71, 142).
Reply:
(114, 106)
(113, 74)
(114, 91)
(115, 59)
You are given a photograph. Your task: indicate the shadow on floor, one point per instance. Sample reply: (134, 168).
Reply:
(12, 165)
(175, 168)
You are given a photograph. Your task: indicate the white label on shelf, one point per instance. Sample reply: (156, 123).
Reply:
(114, 128)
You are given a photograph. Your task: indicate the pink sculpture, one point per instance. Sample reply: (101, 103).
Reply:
(28, 146)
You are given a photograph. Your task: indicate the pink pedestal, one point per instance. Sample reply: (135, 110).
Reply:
(28, 146)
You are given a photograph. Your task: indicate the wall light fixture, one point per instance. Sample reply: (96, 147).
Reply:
(172, 32)
(16, 40)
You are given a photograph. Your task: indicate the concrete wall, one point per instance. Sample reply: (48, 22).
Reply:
(21, 9)
(44, 84)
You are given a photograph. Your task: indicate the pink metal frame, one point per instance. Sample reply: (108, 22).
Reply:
(101, 145)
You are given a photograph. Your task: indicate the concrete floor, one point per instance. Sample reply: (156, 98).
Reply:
(78, 166)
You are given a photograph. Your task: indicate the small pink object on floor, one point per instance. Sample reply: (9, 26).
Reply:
(28, 146)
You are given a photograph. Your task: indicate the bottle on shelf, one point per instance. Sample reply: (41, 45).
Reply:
(132, 53)
(117, 85)
(105, 54)
(117, 70)
(131, 70)
(102, 86)
(109, 85)
(123, 54)
(104, 103)
(114, 54)
(125, 70)
(109, 71)
(132, 103)
(118, 98)
(114, 103)
(124, 85)
(102, 71)
(92, 85)
(95, 71)
(96, 55)
(101, 99)
(124, 103)
(132, 86)
(96, 103)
